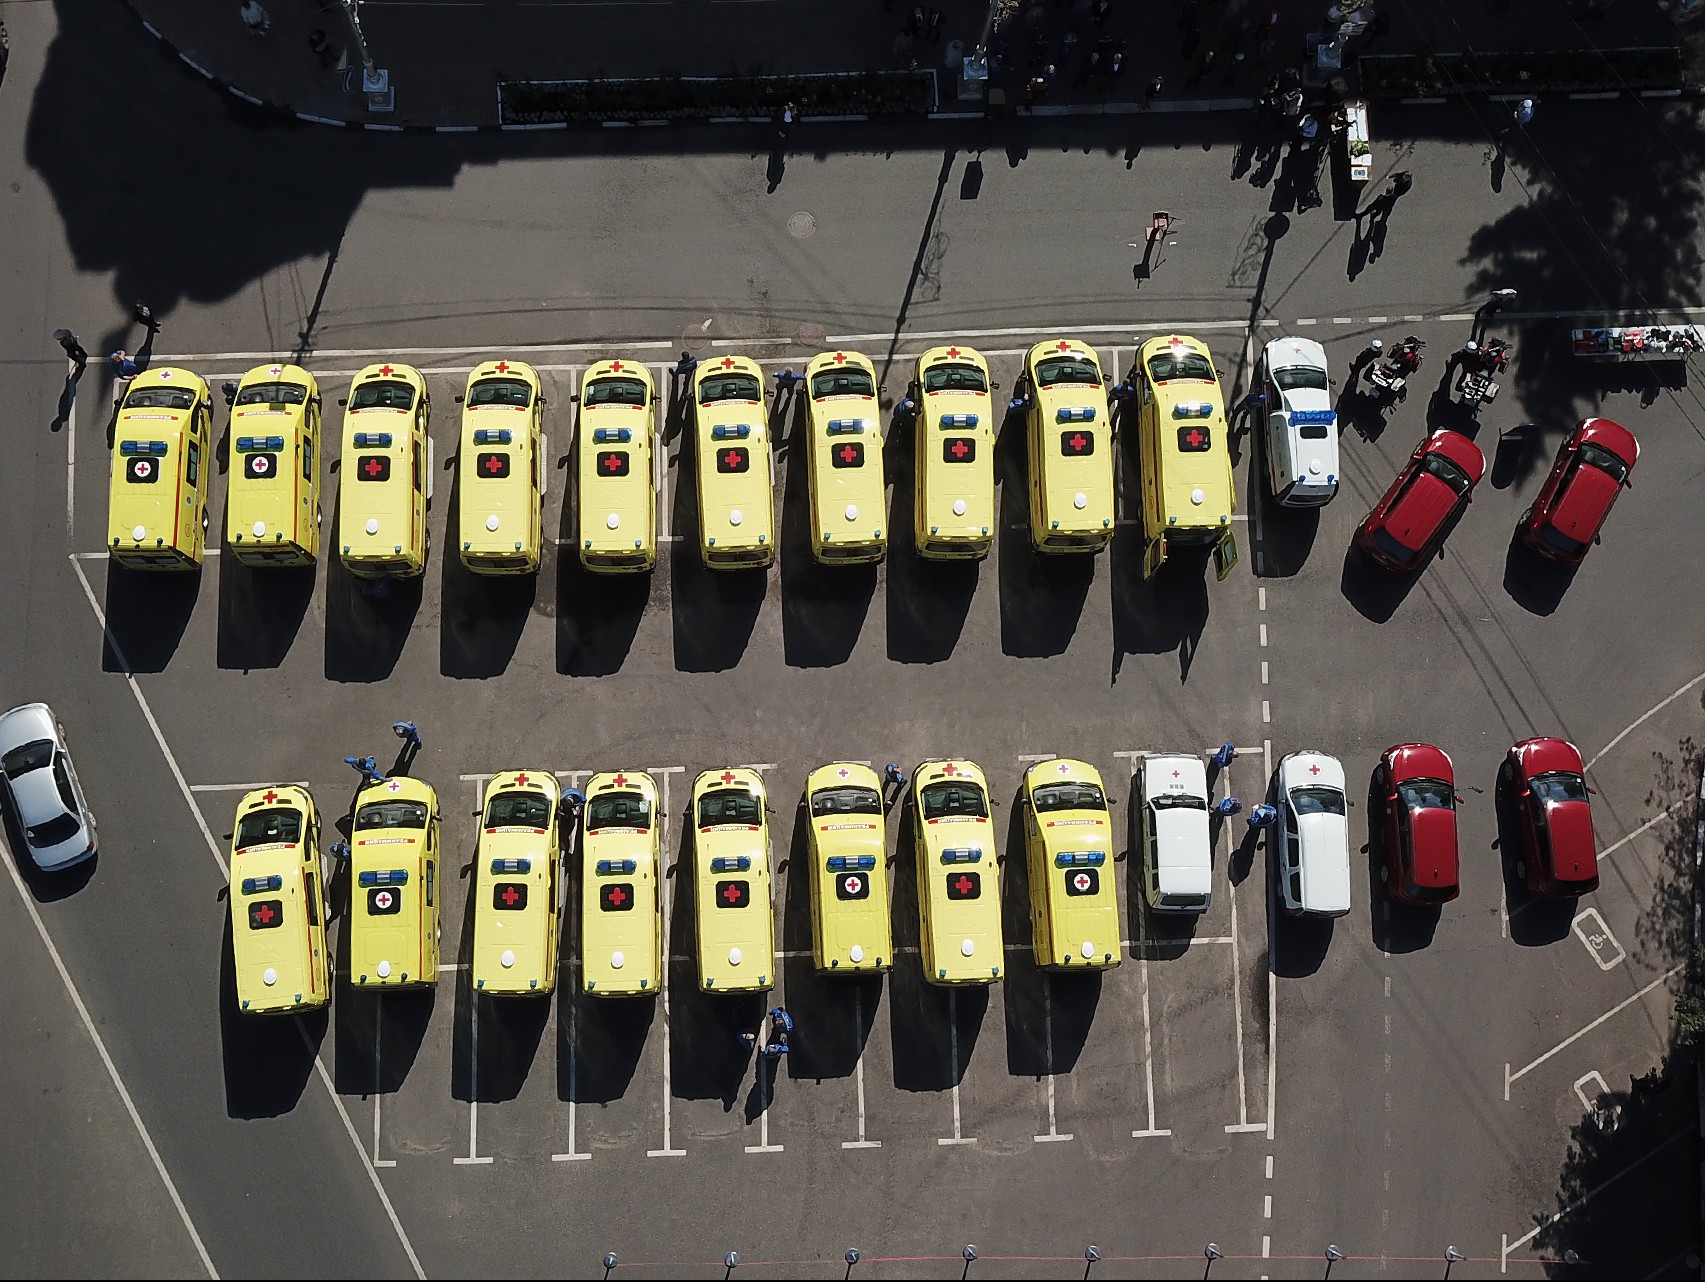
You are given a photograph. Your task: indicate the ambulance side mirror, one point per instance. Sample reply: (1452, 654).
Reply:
(574, 398)
(458, 398)
(343, 400)
(995, 387)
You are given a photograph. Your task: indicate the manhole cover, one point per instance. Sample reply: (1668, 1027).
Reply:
(810, 334)
(696, 338)
(801, 225)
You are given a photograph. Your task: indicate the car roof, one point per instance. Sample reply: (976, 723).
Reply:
(1294, 350)
(1419, 761)
(1159, 775)
(26, 723)
(1309, 768)
(1325, 866)
(1573, 854)
(1422, 507)
(1547, 753)
(1436, 862)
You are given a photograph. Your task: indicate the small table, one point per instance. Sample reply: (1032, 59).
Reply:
(1614, 344)
(1358, 142)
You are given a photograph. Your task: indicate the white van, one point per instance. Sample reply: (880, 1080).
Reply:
(1178, 858)
(1313, 868)
(1302, 426)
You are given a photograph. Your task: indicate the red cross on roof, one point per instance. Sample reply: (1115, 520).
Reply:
(613, 462)
(732, 458)
(963, 885)
(1077, 441)
(620, 780)
(953, 351)
(270, 797)
(1314, 769)
(1062, 346)
(1175, 774)
(510, 895)
(843, 772)
(727, 776)
(386, 370)
(727, 362)
(275, 370)
(264, 914)
(731, 892)
(494, 464)
(372, 467)
(959, 449)
(949, 769)
(616, 366)
(848, 453)
(840, 358)
(1195, 437)
(502, 367)
(617, 896)
(522, 779)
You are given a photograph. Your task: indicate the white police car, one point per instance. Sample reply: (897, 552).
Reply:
(1302, 426)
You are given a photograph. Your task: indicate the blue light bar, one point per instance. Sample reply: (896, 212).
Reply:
(388, 877)
(373, 440)
(732, 863)
(604, 435)
(493, 436)
(959, 420)
(1314, 418)
(839, 863)
(845, 427)
(1076, 414)
(1192, 409)
(511, 865)
(1080, 859)
(730, 431)
(616, 867)
(962, 855)
(260, 885)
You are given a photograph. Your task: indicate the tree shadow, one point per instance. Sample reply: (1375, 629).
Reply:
(147, 614)
(1664, 929)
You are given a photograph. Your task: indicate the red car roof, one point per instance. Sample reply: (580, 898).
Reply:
(1573, 855)
(1434, 828)
(1584, 503)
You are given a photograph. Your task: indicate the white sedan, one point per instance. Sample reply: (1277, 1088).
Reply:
(1313, 868)
(42, 788)
(1302, 426)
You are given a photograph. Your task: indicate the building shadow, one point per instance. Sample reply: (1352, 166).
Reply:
(147, 614)
(267, 1058)
(260, 611)
(367, 621)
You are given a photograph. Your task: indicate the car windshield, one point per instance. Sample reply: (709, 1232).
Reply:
(944, 799)
(1291, 377)
(391, 814)
(1426, 794)
(59, 828)
(1436, 464)
(1068, 796)
(267, 827)
(500, 391)
(518, 810)
(1317, 801)
(32, 756)
(1179, 362)
(955, 378)
(1597, 456)
(379, 394)
(272, 394)
(842, 382)
(1557, 786)
(1178, 801)
(729, 387)
(613, 391)
(1561, 541)
(618, 810)
(1066, 369)
(729, 806)
(159, 398)
(851, 800)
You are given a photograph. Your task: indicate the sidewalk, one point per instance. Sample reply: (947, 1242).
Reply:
(445, 60)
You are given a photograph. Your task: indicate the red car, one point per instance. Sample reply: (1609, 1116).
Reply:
(1406, 525)
(1591, 468)
(1421, 864)
(1559, 859)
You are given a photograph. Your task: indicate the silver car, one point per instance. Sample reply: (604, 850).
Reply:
(42, 788)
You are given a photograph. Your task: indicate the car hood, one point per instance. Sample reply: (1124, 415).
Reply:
(24, 724)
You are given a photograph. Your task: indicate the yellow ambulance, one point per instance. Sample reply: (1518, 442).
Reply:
(736, 472)
(1068, 843)
(1069, 438)
(850, 931)
(1184, 453)
(849, 494)
(157, 511)
(618, 489)
(621, 863)
(953, 515)
(278, 904)
(393, 911)
(731, 874)
(272, 510)
(959, 879)
(517, 903)
(385, 474)
(502, 468)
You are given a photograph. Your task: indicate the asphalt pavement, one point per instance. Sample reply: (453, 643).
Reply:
(1390, 1085)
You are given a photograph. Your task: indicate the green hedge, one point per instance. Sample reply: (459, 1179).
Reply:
(1405, 75)
(874, 93)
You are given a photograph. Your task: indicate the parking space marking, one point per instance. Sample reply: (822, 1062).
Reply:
(1644, 828)
(247, 787)
(1272, 970)
(1600, 942)
(1511, 1078)
(573, 1094)
(1645, 716)
(1606, 1112)
(668, 1149)
(660, 453)
(858, 1077)
(106, 1059)
(959, 1136)
(1243, 1123)
(1053, 1135)
(1149, 1131)
(71, 451)
(1037, 756)
(766, 1091)
(378, 1030)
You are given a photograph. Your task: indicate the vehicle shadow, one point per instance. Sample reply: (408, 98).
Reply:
(1372, 590)
(1534, 922)
(714, 611)
(44, 887)
(1287, 533)
(1534, 583)
(367, 621)
(1165, 613)
(599, 1042)
(927, 601)
(1024, 987)
(1299, 944)
(378, 1036)
(597, 615)
(146, 615)
(261, 611)
(1395, 927)
(267, 1058)
(1513, 459)
(1361, 412)
(835, 1013)
(483, 614)
(823, 607)
(1041, 597)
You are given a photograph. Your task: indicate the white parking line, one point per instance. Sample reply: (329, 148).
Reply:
(858, 1075)
(1590, 928)
(1053, 1134)
(1651, 823)
(247, 787)
(959, 1136)
(1148, 1053)
(572, 1155)
(1243, 1123)
(1645, 716)
(668, 1149)
(71, 457)
(1510, 1078)
(1272, 970)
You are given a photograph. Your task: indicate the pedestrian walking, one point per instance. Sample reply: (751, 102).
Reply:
(574, 802)
(72, 345)
(228, 389)
(339, 851)
(1401, 181)
(1226, 807)
(1192, 40)
(748, 1038)
(1151, 91)
(1501, 298)
(684, 367)
(789, 116)
(368, 768)
(144, 316)
(1068, 44)
(776, 1049)
(124, 366)
(1199, 70)
(1521, 117)
(780, 1020)
(1254, 403)
(893, 783)
(1263, 816)
(785, 382)
(1116, 64)
(1098, 11)
(255, 18)
(934, 27)
(408, 732)
(1223, 755)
